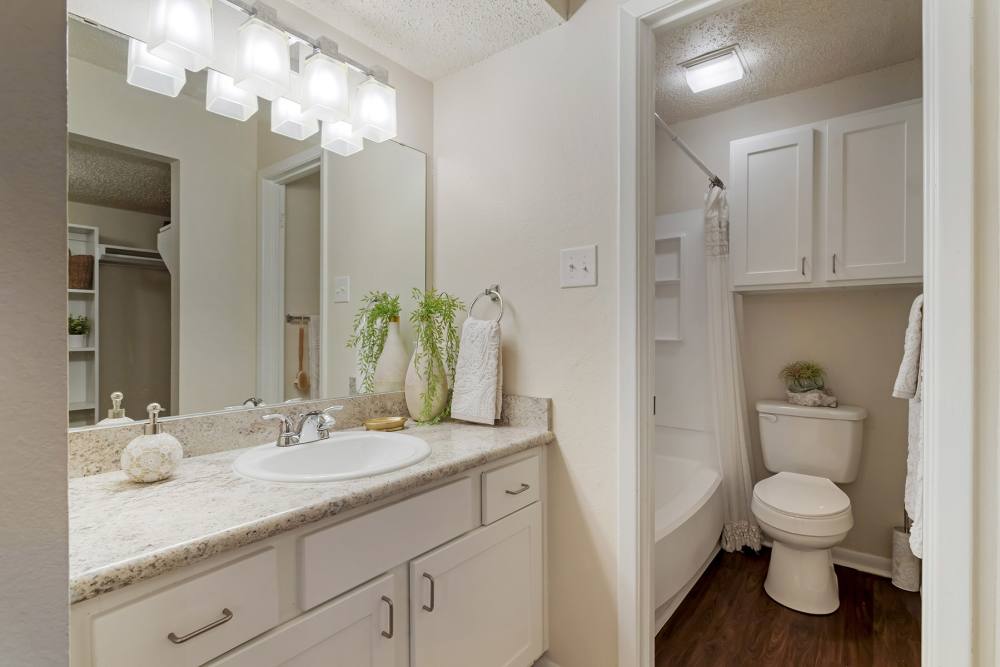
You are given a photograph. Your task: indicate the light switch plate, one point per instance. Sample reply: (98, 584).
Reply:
(578, 266)
(341, 289)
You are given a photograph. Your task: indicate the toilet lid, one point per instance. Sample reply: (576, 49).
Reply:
(802, 495)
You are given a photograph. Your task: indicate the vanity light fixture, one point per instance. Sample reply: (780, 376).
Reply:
(340, 138)
(181, 32)
(262, 57)
(325, 92)
(225, 98)
(152, 73)
(286, 114)
(374, 109)
(713, 69)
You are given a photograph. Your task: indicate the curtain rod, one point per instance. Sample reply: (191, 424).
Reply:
(712, 178)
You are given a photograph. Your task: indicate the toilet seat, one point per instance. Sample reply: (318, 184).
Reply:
(802, 505)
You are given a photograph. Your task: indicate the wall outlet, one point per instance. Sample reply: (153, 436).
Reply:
(341, 289)
(578, 266)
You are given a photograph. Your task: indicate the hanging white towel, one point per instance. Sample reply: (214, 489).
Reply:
(312, 355)
(478, 394)
(909, 385)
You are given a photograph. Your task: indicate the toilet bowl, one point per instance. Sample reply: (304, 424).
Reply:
(805, 516)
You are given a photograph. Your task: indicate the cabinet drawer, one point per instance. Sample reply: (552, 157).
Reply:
(508, 489)
(336, 559)
(237, 602)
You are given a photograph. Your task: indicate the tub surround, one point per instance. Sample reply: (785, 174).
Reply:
(122, 533)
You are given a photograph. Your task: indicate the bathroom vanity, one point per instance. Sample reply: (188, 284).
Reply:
(440, 563)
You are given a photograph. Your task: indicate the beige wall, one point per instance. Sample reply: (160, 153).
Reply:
(526, 156)
(33, 544)
(302, 277)
(681, 186)
(118, 226)
(857, 336)
(218, 236)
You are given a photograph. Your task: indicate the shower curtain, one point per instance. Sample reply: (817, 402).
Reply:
(726, 373)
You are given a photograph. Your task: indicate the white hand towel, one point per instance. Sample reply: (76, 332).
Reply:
(478, 394)
(909, 385)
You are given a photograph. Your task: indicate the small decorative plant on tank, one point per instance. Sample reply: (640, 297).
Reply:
(378, 312)
(803, 376)
(432, 369)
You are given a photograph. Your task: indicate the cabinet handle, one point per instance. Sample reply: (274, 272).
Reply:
(392, 619)
(226, 617)
(430, 579)
(803, 266)
(524, 487)
(834, 262)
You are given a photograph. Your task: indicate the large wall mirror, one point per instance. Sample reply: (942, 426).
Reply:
(212, 260)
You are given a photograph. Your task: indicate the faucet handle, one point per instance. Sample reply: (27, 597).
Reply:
(286, 436)
(333, 408)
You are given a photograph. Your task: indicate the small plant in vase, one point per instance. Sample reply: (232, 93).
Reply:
(432, 369)
(79, 330)
(803, 376)
(376, 322)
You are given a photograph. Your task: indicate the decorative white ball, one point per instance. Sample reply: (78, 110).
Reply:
(150, 458)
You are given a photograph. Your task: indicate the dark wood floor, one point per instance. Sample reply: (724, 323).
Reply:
(728, 619)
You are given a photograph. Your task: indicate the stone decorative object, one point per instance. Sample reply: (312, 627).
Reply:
(812, 398)
(154, 455)
(391, 368)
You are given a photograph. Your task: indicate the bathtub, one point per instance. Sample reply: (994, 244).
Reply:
(688, 522)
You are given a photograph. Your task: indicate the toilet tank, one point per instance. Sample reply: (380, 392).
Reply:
(825, 442)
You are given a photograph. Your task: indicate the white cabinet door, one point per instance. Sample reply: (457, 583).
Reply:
(478, 600)
(771, 208)
(875, 195)
(361, 628)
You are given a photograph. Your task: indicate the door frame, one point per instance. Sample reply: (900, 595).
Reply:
(271, 272)
(948, 288)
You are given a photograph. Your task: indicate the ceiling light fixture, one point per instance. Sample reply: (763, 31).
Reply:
(225, 98)
(263, 64)
(340, 138)
(325, 92)
(374, 109)
(287, 117)
(148, 72)
(181, 31)
(713, 69)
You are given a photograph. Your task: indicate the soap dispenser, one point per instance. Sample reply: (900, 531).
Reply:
(154, 455)
(116, 415)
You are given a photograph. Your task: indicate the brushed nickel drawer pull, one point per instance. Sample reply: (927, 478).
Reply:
(226, 617)
(430, 579)
(524, 487)
(392, 620)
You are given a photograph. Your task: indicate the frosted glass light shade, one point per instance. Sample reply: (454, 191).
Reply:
(374, 110)
(181, 31)
(325, 92)
(262, 60)
(151, 73)
(715, 71)
(340, 138)
(225, 98)
(287, 119)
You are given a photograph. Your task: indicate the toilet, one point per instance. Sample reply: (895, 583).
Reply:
(801, 508)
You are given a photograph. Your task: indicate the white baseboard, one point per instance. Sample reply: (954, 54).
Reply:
(545, 662)
(858, 560)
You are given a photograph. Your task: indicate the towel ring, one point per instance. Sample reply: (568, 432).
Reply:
(493, 291)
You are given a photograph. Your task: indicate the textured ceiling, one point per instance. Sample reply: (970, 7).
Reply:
(434, 38)
(788, 45)
(104, 176)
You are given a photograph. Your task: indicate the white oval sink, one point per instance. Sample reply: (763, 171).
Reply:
(347, 455)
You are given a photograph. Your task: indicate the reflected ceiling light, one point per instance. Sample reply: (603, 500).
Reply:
(287, 117)
(374, 110)
(225, 98)
(181, 31)
(151, 73)
(262, 57)
(339, 137)
(713, 69)
(325, 93)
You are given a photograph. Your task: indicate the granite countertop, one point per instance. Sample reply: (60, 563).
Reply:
(122, 532)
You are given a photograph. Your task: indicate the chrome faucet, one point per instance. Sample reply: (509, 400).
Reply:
(289, 434)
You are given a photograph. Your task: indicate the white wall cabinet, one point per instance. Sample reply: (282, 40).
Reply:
(833, 203)
(478, 599)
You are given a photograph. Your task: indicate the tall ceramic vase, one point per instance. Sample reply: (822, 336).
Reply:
(390, 370)
(416, 387)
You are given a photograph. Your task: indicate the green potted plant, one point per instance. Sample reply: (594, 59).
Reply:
(79, 330)
(381, 354)
(432, 368)
(803, 376)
